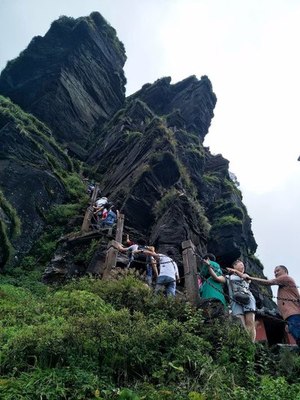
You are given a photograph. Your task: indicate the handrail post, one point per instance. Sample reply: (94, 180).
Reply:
(190, 272)
(89, 211)
(112, 252)
(119, 229)
(110, 259)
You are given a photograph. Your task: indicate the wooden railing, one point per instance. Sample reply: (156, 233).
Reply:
(190, 272)
(85, 227)
(112, 252)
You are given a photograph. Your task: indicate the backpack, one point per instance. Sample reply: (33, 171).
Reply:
(240, 294)
(140, 260)
(110, 218)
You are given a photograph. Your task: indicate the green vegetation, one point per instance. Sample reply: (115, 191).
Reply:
(85, 255)
(97, 21)
(161, 137)
(211, 179)
(59, 222)
(224, 222)
(227, 220)
(57, 225)
(114, 340)
(230, 186)
(93, 339)
(75, 187)
(165, 202)
(33, 129)
(204, 224)
(131, 137)
(116, 118)
(186, 180)
(225, 213)
(43, 143)
(60, 214)
(222, 208)
(11, 214)
(190, 142)
(8, 231)
(6, 246)
(195, 151)
(14, 113)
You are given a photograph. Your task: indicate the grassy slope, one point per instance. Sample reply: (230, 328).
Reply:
(115, 340)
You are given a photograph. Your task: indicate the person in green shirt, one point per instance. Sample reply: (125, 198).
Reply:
(212, 279)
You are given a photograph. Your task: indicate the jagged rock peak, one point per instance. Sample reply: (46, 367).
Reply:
(33, 177)
(72, 78)
(192, 100)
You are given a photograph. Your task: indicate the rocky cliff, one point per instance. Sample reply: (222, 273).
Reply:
(151, 160)
(146, 151)
(72, 78)
(32, 178)
(195, 100)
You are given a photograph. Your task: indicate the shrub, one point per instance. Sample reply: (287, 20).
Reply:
(86, 252)
(227, 220)
(6, 246)
(12, 214)
(223, 208)
(132, 136)
(45, 247)
(52, 384)
(165, 202)
(230, 186)
(60, 214)
(211, 179)
(114, 339)
(75, 186)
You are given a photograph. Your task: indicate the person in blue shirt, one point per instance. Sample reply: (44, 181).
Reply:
(111, 218)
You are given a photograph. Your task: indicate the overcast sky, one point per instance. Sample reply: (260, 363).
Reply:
(250, 51)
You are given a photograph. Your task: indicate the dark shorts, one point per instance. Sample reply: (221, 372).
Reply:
(294, 326)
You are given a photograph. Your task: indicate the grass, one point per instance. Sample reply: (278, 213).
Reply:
(115, 340)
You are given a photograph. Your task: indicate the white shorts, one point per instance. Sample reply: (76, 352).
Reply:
(240, 309)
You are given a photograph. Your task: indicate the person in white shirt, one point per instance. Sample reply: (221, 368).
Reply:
(99, 205)
(168, 273)
(129, 250)
(101, 202)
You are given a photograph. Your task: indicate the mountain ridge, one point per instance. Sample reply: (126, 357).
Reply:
(146, 150)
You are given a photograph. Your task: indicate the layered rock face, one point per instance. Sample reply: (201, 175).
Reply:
(31, 170)
(152, 162)
(146, 151)
(195, 100)
(72, 78)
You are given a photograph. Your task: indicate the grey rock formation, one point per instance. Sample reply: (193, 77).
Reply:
(188, 104)
(30, 162)
(72, 78)
(168, 185)
(146, 151)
